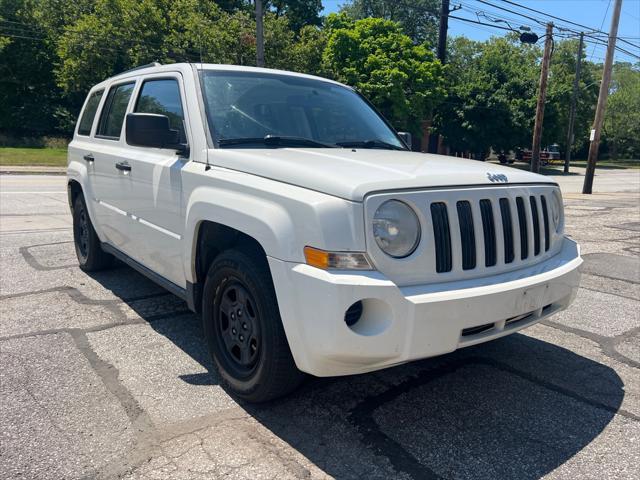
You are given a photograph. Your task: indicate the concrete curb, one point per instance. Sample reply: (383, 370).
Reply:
(31, 170)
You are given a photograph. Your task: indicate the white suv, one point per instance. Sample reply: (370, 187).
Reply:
(288, 212)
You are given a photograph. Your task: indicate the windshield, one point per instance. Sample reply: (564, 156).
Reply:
(245, 108)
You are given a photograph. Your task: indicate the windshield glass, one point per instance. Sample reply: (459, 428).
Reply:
(255, 105)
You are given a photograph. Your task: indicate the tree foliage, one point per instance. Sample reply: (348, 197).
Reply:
(622, 117)
(418, 18)
(403, 80)
(53, 51)
(492, 95)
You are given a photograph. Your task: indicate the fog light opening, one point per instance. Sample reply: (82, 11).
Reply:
(368, 317)
(353, 314)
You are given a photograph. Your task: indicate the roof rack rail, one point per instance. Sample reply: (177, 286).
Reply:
(148, 65)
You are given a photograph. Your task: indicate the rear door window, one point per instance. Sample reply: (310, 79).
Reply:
(113, 111)
(86, 121)
(162, 97)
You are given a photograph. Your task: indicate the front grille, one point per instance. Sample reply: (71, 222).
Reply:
(510, 227)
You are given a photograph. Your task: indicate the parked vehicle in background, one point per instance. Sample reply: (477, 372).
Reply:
(553, 152)
(287, 212)
(548, 155)
(505, 159)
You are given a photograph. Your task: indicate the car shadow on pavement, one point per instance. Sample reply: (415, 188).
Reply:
(514, 408)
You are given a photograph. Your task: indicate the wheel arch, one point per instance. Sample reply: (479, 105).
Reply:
(73, 190)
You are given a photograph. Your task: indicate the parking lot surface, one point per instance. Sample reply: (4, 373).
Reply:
(107, 376)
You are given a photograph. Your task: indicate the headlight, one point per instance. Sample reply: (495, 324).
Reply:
(396, 228)
(556, 210)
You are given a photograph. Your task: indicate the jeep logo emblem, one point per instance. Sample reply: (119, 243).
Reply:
(497, 177)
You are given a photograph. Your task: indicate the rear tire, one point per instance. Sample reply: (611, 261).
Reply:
(90, 255)
(244, 331)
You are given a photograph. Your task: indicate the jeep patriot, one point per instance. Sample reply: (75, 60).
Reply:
(288, 213)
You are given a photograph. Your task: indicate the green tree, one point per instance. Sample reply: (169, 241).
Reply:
(419, 18)
(622, 117)
(30, 102)
(492, 95)
(121, 34)
(307, 51)
(404, 81)
(560, 92)
(300, 13)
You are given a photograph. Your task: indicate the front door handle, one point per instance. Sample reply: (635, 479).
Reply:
(89, 158)
(125, 167)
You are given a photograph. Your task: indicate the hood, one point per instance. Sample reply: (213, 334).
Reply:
(353, 173)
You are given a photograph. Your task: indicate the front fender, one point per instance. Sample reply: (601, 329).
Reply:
(268, 223)
(283, 220)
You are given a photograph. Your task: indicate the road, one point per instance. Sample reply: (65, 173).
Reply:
(106, 375)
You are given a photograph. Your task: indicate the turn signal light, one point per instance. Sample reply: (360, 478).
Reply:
(336, 260)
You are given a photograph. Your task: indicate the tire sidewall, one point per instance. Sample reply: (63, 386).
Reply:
(78, 207)
(238, 269)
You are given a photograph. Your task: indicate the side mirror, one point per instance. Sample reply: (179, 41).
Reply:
(406, 138)
(152, 130)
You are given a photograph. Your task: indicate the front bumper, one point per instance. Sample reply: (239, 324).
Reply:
(401, 324)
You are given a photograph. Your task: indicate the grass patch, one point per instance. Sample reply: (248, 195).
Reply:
(50, 157)
(610, 164)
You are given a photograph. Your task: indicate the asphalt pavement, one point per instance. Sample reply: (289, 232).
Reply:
(107, 376)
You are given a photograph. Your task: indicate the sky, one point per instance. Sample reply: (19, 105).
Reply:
(595, 14)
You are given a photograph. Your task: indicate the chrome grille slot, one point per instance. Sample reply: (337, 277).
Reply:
(536, 225)
(489, 233)
(442, 236)
(507, 229)
(467, 235)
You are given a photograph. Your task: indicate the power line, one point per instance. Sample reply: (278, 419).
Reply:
(550, 16)
(601, 25)
(477, 22)
(568, 21)
(542, 21)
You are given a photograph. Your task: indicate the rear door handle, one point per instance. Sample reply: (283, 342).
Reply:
(125, 167)
(89, 158)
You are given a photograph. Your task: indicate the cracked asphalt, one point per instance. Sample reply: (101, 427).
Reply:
(107, 376)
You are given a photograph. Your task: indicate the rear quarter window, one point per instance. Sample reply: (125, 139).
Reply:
(89, 113)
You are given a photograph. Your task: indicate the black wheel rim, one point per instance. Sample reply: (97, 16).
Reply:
(82, 233)
(238, 328)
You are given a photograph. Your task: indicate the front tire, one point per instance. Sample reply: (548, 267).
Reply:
(244, 331)
(90, 255)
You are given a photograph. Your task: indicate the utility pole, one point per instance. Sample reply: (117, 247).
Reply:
(442, 32)
(572, 112)
(602, 100)
(542, 96)
(429, 142)
(259, 35)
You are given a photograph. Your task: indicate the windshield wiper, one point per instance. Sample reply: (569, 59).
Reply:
(375, 143)
(276, 141)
